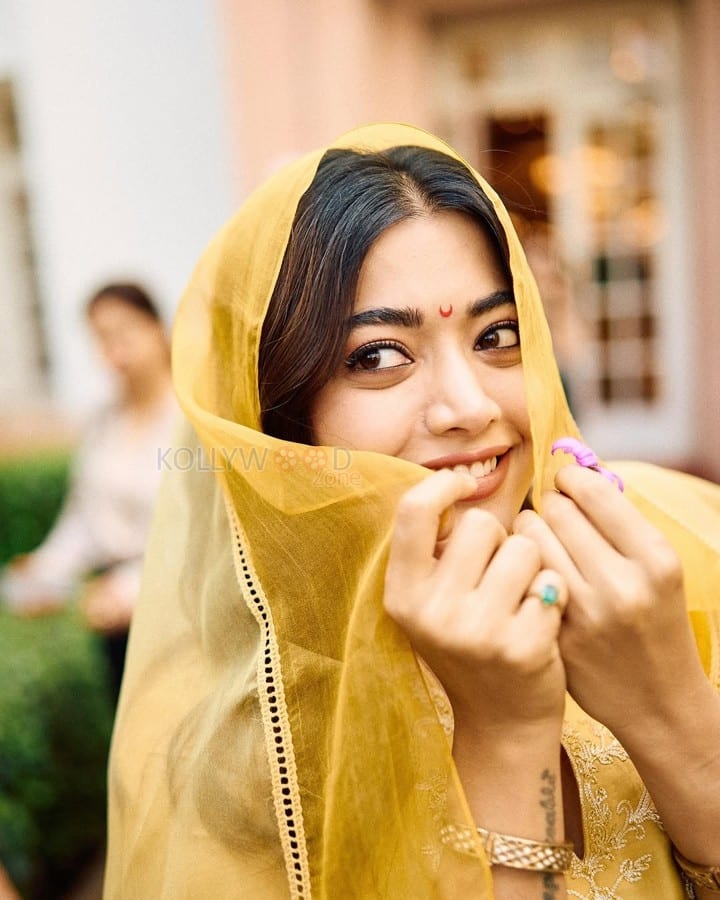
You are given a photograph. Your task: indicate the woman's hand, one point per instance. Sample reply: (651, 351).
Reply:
(469, 613)
(463, 591)
(629, 650)
(626, 641)
(26, 594)
(105, 608)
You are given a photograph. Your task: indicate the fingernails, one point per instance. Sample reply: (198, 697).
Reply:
(586, 458)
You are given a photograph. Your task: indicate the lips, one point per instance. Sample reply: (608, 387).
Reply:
(488, 466)
(466, 459)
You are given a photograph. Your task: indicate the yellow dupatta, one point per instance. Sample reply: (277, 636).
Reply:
(275, 737)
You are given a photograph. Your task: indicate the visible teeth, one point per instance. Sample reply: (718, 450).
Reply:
(478, 469)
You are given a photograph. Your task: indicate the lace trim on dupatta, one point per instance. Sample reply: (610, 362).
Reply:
(276, 726)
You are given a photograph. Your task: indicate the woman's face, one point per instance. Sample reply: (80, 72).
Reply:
(132, 343)
(433, 370)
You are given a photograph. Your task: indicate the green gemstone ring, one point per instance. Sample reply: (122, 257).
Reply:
(549, 595)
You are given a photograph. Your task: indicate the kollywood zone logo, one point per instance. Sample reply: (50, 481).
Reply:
(329, 465)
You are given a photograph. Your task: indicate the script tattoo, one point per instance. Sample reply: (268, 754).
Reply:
(547, 802)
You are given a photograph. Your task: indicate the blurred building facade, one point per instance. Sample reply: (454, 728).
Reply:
(114, 165)
(595, 119)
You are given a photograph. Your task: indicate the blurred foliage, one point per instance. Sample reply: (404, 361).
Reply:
(31, 493)
(55, 710)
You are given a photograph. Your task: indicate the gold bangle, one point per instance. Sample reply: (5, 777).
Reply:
(507, 850)
(699, 875)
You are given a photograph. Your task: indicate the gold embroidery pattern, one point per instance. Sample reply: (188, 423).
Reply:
(439, 699)
(436, 789)
(615, 830)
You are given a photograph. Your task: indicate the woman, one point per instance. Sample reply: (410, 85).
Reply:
(279, 733)
(96, 546)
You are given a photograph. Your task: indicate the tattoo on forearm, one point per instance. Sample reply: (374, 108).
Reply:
(548, 803)
(550, 886)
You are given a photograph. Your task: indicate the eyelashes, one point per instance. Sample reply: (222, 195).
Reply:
(370, 356)
(502, 338)
(493, 338)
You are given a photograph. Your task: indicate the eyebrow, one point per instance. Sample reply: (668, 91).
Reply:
(413, 318)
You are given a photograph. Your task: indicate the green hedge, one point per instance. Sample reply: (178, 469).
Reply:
(31, 493)
(55, 710)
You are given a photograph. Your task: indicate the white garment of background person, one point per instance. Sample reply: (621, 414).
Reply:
(105, 519)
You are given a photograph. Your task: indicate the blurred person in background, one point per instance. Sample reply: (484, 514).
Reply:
(94, 551)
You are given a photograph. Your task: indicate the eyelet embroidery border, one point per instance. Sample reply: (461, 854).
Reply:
(278, 736)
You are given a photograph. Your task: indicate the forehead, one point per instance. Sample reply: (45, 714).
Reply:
(421, 259)
(110, 313)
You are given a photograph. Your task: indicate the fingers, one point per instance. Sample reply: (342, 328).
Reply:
(507, 577)
(537, 622)
(536, 625)
(20, 563)
(594, 557)
(39, 606)
(535, 635)
(550, 590)
(610, 513)
(476, 536)
(417, 522)
(552, 552)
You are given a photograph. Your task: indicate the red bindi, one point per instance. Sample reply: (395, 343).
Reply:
(445, 313)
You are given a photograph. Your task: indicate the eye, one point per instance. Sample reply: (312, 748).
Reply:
(378, 355)
(500, 336)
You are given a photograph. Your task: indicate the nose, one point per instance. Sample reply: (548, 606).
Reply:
(459, 397)
(115, 355)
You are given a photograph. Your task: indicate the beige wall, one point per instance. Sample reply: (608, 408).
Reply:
(300, 74)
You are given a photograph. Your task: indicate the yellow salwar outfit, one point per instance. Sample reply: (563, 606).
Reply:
(275, 735)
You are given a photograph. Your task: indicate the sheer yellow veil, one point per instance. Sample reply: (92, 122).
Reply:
(275, 736)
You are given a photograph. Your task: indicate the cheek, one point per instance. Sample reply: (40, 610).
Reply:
(153, 348)
(517, 410)
(361, 419)
(506, 387)
(514, 403)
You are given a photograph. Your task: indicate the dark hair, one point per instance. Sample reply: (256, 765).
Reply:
(352, 200)
(127, 292)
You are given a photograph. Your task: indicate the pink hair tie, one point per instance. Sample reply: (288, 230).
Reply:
(585, 457)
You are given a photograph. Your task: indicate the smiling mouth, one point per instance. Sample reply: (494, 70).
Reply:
(480, 464)
(489, 468)
(477, 469)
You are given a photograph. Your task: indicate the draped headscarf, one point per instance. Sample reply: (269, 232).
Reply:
(275, 735)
